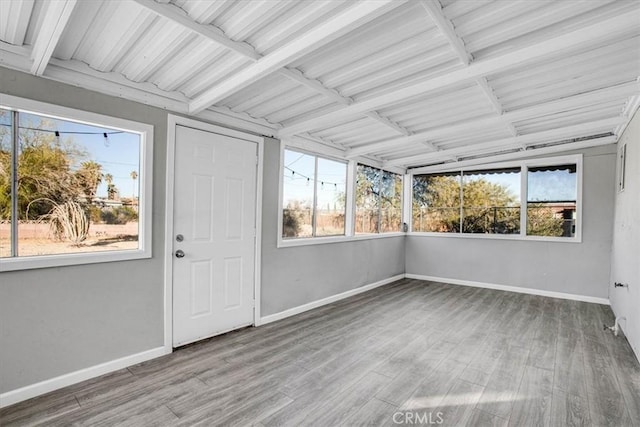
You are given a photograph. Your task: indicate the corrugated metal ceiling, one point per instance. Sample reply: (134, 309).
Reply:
(483, 71)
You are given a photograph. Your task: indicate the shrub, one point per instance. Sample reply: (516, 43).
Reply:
(120, 215)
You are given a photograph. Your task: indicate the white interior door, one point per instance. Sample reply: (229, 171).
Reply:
(214, 234)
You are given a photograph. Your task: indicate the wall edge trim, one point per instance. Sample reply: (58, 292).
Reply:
(530, 291)
(46, 386)
(328, 300)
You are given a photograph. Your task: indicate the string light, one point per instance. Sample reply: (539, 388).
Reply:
(57, 133)
(57, 137)
(295, 174)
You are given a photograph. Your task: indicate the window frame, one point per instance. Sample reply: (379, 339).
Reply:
(315, 191)
(13, 103)
(351, 164)
(524, 165)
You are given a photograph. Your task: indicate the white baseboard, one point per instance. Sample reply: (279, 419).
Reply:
(37, 389)
(518, 289)
(324, 301)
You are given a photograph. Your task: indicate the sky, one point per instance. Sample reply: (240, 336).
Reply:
(300, 166)
(542, 186)
(119, 156)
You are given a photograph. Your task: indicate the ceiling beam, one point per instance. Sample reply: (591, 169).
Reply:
(558, 134)
(434, 9)
(562, 148)
(495, 103)
(180, 17)
(315, 85)
(389, 123)
(214, 34)
(569, 103)
(605, 29)
(55, 20)
(351, 18)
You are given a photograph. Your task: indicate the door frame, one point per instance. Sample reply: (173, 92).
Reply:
(172, 122)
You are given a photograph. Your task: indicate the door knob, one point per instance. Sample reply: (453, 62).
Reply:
(179, 253)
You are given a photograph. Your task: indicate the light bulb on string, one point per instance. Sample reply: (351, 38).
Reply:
(106, 139)
(57, 137)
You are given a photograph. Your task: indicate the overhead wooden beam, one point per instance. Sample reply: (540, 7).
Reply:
(387, 122)
(180, 17)
(434, 9)
(215, 35)
(574, 131)
(495, 103)
(351, 18)
(562, 148)
(56, 17)
(576, 101)
(605, 29)
(297, 76)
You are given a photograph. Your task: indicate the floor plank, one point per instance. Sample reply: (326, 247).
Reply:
(569, 410)
(476, 357)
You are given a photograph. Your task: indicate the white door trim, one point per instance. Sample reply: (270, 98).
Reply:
(172, 122)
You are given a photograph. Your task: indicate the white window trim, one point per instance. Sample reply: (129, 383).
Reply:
(349, 235)
(525, 165)
(145, 131)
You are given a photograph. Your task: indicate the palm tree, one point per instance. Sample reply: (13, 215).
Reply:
(111, 189)
(134, 177)
(90, 176)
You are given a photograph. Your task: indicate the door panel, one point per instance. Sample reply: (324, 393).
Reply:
(214, 209)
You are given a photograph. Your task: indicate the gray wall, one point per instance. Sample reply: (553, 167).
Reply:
(298, 275)
(625, 257)
(58, 320)
(574, 268)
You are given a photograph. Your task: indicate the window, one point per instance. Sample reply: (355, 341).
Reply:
(378, 201)
(314, 196)
(72, 191)
(436, 202)
(490, 201)
(552, 200)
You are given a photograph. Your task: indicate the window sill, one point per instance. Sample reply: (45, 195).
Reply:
(497, 237)
(65, 260)
(334, 239)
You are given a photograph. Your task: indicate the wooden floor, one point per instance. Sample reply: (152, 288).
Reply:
(407, 353)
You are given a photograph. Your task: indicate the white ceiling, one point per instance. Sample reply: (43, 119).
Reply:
(405, 83)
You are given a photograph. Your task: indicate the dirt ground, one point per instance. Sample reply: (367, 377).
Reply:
(37, 240)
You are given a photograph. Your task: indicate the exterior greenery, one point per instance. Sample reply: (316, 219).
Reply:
(56, 183)
(482, 207)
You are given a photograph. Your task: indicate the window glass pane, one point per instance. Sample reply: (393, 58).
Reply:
(491, 201)
(297, 200)
(436, 203)
(77, 189)
(5, 183)
(391, 202)
(331, 189)
(551, 201)
(367, 199)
